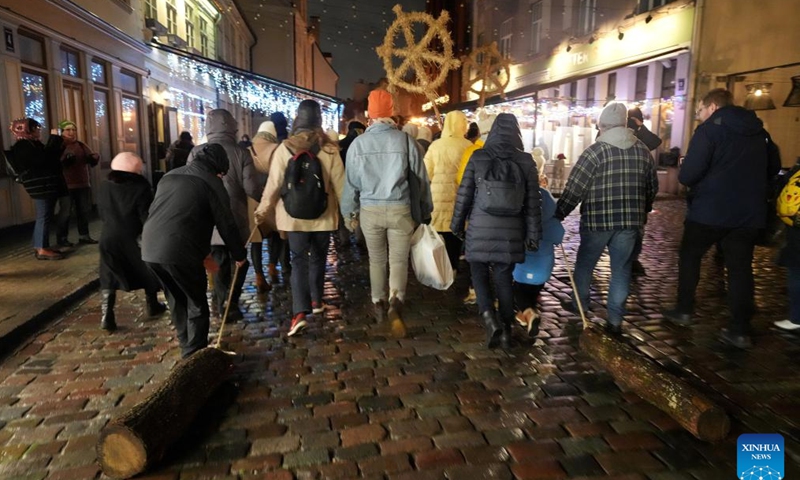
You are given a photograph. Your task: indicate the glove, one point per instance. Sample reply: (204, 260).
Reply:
(94, 159)
(531, 245)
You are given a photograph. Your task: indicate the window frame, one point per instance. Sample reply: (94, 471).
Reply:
(37, 38)
(639, 93)
(172, 17)
(537, 25)
(151, 9)
(70, 51)
(587, 13)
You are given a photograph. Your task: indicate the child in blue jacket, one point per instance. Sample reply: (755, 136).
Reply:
(531, 275)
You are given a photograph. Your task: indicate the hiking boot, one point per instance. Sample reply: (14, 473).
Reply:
(317, 307)
(107, 300)
(47, 254)
(739, 341)
(154, 307)
(87, 240)
(471, 298)
(677, 317)
(787, 325)
(261, 283)
(380, 311)
(493, 329)
(298, 324)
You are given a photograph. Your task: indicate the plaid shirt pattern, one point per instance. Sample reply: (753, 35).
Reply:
(615, 187)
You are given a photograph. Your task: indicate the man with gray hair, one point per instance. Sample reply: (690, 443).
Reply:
(615, 182)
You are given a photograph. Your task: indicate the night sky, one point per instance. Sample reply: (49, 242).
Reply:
(351, 30)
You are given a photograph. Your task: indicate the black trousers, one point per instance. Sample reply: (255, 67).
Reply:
(502, 277)
(224, 276)
(453, 246)
(279, 252)
(526, 295)
(185, 289)
(737, 248)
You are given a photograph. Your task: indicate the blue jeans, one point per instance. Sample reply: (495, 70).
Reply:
(794, 294)
(44, 216)
(621, 244)
(309, 256)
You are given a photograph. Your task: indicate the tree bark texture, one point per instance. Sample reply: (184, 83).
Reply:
(690, 408)
(136, 440)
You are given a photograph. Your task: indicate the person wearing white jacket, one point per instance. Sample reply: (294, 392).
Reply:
(442, 161)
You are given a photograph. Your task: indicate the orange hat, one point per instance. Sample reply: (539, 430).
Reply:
(381, 104)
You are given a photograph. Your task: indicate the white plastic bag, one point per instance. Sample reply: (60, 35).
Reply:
(429, 258)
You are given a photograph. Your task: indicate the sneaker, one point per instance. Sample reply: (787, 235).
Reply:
(677, 317)
(317, 308)
(87, 241)
(471, 298)
(47, 254)
(529, 319)
(738, 341)
(298, 323)
(787, 325)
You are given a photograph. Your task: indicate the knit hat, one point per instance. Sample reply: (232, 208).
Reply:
(66, 123)
(614, 115)
(561, 156)
(381, 104)
(268, 127)
(213, 155)
(127, 162)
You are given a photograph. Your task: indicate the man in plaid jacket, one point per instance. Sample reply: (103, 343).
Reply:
(615, 182)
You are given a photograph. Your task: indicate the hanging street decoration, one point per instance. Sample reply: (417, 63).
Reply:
(493, 73)
(429, 65)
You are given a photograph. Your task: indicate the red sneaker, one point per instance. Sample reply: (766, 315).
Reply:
(298, 323)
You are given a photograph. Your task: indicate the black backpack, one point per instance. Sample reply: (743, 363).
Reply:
(303, 192)
(500, 190)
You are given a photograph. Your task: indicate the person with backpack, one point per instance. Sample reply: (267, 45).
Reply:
(615, 182)
(303, 190)
(499, 196)
(387, 193)
(728, 167)
(787, 206)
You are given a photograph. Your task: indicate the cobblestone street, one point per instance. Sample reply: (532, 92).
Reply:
(345, 400)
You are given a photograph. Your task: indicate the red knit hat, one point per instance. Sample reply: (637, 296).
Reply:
(381, 104)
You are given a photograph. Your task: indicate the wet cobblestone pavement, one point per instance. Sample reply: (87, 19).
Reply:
(345, 400)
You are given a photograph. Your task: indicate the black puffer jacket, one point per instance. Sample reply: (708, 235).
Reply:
(492, 238)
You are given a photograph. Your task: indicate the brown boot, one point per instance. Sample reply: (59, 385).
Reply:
(261, 283)
(395, 315)
(273, 273)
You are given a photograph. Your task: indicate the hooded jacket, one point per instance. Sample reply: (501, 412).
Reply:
(615, 182)
(730, 161)
(332, 175)
(441, 162)
(495, 239)
(241, 180)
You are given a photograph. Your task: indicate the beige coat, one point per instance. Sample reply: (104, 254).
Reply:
(264, 147)
(442, 162)
(332, 175)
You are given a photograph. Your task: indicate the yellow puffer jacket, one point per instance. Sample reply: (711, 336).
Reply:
(465, 158)
(442, 161)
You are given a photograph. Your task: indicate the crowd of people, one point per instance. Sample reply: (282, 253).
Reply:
(294, 185)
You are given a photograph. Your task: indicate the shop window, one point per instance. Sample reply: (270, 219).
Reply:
(586, 14)
(611, 93)
(641, 83)
(34, 96)
(102, 123)
(668, 78)
(573, 93)
(31, 49)
(172, 17)
(70, 63)
(590, 87)
(129, 82)
(99, 72)
(130, 124)
(536, 27)
(150, 9)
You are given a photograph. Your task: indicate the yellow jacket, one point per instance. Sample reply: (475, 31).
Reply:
(465, 159)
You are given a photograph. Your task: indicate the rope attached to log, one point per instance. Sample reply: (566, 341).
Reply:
(574, 289)
(230, 292)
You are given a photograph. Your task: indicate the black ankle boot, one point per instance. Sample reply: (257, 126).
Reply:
(107, 321)
(154, 307)
(493, 329)
(505, 335)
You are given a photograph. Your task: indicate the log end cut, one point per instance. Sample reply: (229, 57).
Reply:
(713, 425)
(120, 452)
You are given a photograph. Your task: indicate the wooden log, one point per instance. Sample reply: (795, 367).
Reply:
(690, 408)
(136, 440)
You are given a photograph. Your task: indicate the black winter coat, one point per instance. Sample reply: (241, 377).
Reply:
(39, 167)
(492, 238)
(189, 202)
(122, 202)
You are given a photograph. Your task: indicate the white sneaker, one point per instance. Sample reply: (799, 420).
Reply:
(317, 308)
(787, 325)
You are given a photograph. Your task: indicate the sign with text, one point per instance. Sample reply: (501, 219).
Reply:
(760, 456)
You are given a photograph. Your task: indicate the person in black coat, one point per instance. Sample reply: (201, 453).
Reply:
(178, 152)
(189, 202)
(38, 167)
(498, 242)
(122, 202)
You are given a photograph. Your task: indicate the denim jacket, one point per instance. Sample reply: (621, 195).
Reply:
(377, 169)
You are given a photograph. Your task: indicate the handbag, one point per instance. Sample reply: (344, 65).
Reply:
(429, 258)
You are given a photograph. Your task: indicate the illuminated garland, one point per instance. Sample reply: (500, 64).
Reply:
(418, 56)
(494, 72)
(248, 93)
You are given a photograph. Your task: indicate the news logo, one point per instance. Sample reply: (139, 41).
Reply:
(760, 456)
